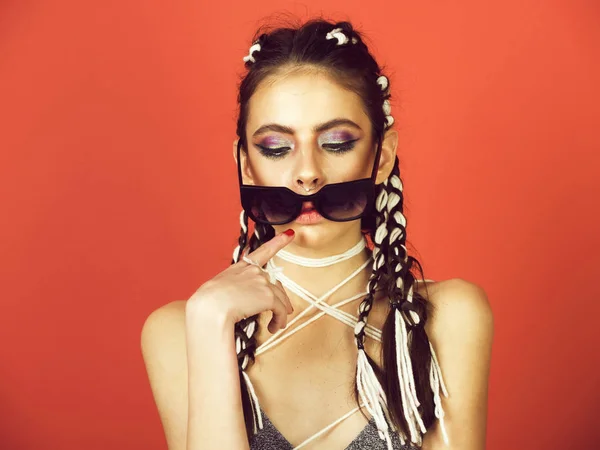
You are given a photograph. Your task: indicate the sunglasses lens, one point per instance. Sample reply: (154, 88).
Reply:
(337, 202)
(272, 206)
(344, 202)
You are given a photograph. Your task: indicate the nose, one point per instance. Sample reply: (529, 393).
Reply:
(309, 176)
(307, 187)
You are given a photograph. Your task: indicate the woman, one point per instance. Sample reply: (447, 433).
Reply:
(351, 328)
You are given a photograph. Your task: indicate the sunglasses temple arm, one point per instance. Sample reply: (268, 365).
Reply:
(376, 163)
(239, 163)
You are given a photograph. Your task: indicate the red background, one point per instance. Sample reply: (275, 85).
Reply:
(118, 194)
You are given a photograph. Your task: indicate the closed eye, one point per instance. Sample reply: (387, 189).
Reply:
(341, 147)
(273, 153)
(280, 152)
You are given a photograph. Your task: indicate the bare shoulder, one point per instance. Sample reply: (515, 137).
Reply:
(456, 303)
(165, 356)
(461, 318)
(163, 327)
(460, 330)
(170, 311)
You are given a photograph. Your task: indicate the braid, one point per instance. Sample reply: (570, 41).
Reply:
(398, 260)
(241, 335)
(378, 268)
(369, 375)
(256, 47)
(243, 237)
(391, 273)
(398, 358)
(262, 234)
(245, 342)
(245, 330)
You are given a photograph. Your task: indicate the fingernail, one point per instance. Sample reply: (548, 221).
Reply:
(289, 232)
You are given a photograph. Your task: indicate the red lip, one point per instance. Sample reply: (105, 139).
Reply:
(309, 218)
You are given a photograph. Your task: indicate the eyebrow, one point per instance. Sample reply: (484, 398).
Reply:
(317, 129)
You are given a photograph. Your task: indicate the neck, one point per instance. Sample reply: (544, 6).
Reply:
(320, 274)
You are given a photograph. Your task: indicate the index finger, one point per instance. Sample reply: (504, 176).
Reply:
(266, 251)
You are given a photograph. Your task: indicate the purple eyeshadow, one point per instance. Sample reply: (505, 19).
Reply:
(337, 136)
(273, 142)
(333, 137)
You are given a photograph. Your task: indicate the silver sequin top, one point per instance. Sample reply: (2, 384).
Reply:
(269, 438)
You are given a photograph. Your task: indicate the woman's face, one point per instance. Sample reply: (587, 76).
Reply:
(305, 131)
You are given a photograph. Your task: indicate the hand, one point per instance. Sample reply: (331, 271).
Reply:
(243, 290)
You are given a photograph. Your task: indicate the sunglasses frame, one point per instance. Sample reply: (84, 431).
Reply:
(247, 189)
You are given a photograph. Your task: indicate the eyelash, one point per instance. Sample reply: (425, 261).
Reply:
(279, 152)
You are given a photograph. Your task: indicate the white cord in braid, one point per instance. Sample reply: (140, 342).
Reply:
(256, 415)
(410, 401)
(236, 251)
(369, 388)
(254, 48)
(342, 39)
(407, 391)
(249, 329)
(383, 82)
(386, 203)
(372, 395)
(255, 406)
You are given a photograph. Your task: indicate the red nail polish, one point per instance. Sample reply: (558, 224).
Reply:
(289, 232)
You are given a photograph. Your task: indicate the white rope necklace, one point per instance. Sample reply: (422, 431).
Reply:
(322, 262)
(371, 391)
(276, 273)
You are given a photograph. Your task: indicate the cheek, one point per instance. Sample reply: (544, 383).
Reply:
(348, 167)
(269, 173)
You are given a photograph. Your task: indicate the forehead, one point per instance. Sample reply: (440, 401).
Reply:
(302, 100)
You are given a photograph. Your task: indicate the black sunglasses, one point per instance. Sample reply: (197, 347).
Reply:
(339, 202)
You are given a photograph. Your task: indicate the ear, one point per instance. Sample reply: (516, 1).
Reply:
(388, 155)
(246, 173)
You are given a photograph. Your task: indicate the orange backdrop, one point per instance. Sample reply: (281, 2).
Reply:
(118, 194)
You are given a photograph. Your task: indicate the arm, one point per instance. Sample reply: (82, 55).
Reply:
(189, 351)
(461, 332)
(193, 375)
(216, 418)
